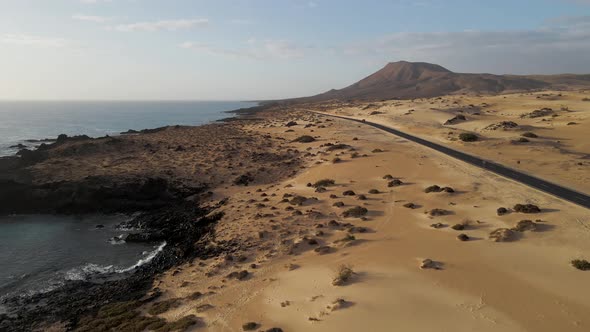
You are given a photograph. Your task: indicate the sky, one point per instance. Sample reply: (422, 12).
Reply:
(270, 49)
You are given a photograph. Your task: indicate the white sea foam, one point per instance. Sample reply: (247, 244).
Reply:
(144, 260)
(85, 271)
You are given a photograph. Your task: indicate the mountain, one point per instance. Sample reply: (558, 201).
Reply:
(408, 80)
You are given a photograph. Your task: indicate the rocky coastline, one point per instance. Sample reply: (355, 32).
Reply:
(170, 212)
(167, 206)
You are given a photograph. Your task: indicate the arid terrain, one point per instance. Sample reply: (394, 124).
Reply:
(293, 240)
(293, 248)
(331, 225)
(541, 133)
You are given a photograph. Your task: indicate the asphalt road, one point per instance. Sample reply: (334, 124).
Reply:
(531, 181)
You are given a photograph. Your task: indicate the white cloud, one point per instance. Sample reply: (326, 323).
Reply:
(558, 48)
(170, 25)
(91, 18)
(253, 49)
(29, 40)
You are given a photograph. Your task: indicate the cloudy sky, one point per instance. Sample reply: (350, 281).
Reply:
(261, 49)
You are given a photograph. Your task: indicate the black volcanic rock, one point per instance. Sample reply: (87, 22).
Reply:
(90, 195)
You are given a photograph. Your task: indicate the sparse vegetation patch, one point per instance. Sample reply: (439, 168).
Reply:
(581, 264)
(324, 183)
(304, 139)
(344, 274)
(526, 208)
(355, 212)
(468, 137)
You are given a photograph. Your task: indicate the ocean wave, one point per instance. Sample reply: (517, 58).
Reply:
(82, 273)
(90, 269)
(76, 274)
(145, 260)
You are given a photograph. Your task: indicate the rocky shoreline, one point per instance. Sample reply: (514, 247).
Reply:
(187, 231)
(172, 209)
(171, 213)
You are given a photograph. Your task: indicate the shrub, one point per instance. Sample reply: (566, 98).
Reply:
(468, 137)
(322, 250)
(529, 135)
(298, 200)
(374, 191)
(458, 227)
(502, 235)
(355, 212)
(463, 237)
(243, 180)
(304, 139)
(448, 190)
(433, 189)
(527, 208)
(395, 183)
(346, 238)
(163, 306)
(250, 326)
(324, 183)
(343, 275)
(336, 160)
(581, 264)
(239, 275)
(338, 147)
(525, 225)
(439, 212)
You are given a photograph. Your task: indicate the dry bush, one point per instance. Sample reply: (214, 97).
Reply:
(343, 275)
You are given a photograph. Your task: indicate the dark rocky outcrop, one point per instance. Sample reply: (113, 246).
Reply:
(90, 195)
(186, 228)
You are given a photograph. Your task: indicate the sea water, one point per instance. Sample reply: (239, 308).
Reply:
(23, 121)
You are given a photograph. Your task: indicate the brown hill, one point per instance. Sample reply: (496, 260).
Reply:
(408, 80)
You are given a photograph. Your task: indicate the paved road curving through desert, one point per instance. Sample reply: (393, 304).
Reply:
(531, 181)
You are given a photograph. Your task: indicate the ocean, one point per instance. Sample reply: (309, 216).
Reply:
(22, 121)
(40, 252)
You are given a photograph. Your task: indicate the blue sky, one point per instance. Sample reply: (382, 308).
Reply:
(259, 49)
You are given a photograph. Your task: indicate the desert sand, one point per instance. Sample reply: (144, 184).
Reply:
(560, 153)
(290, 239)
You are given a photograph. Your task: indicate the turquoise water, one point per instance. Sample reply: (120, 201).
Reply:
(22, 120)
